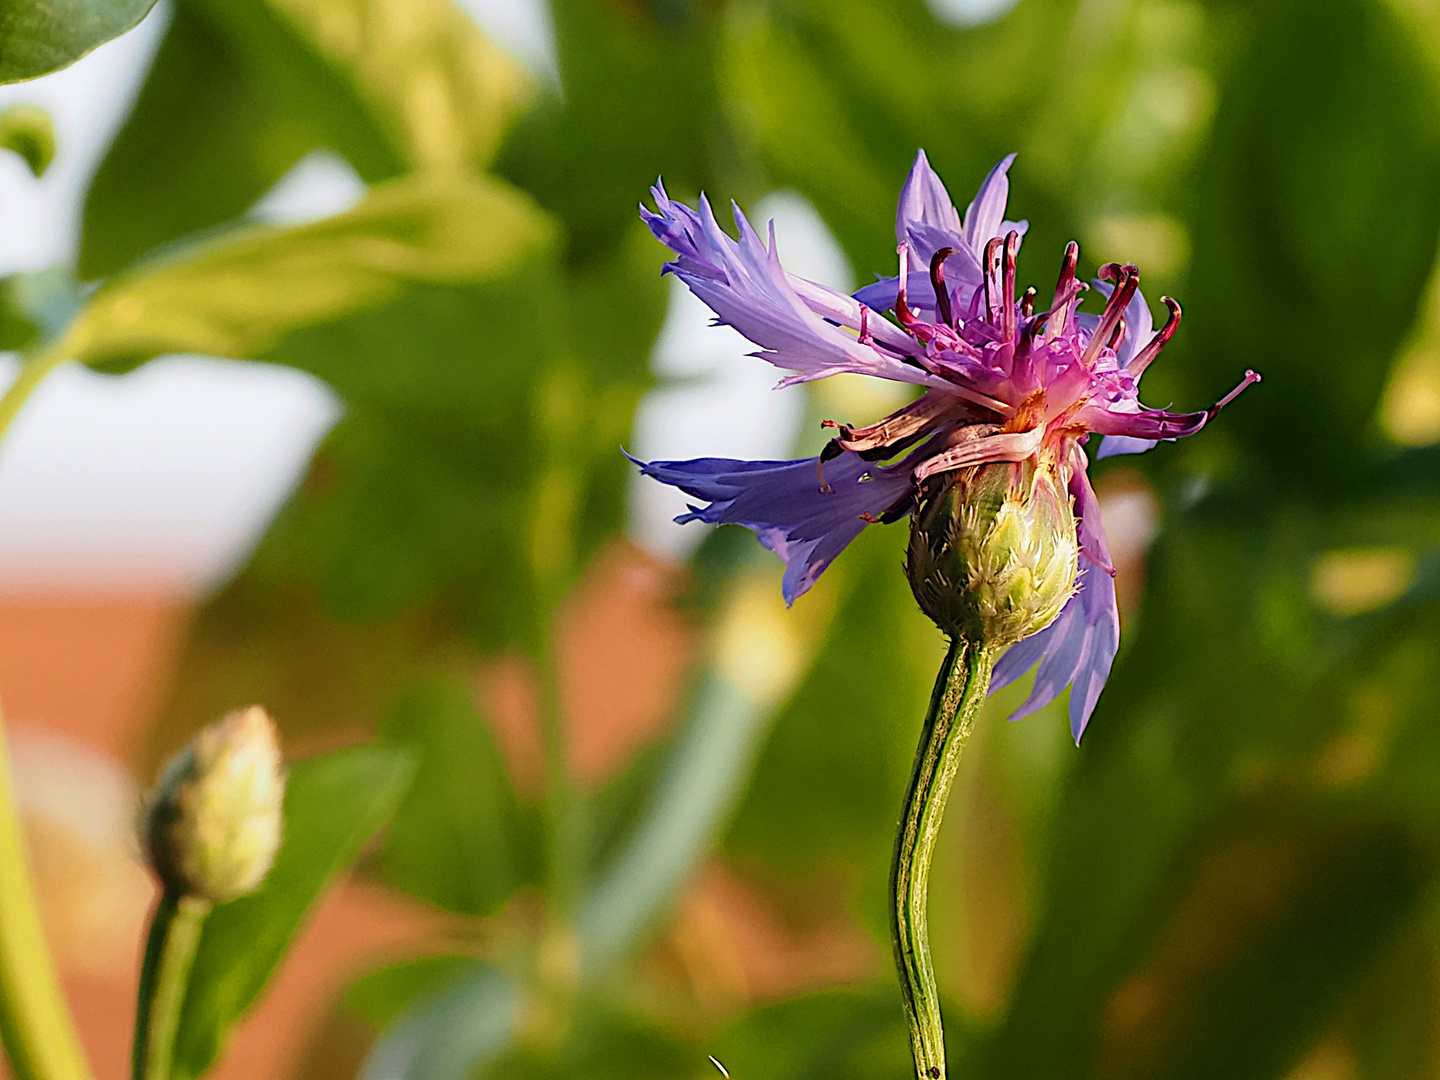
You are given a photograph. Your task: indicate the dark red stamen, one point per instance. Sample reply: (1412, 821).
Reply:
(1152, 349)
(902, 305)
(937, 281)
(1127, 280)
(1012, 248)
(989, 270)
(1027, 302)
(1251, 378)
(1118, 337)
(832, 450)
(1065, 290)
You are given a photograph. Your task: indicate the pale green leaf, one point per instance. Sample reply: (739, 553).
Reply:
(239, 296)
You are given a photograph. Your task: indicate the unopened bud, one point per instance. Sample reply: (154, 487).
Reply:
(213, 825)
(993, 552)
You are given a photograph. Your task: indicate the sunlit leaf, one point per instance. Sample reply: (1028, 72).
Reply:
(239, 296)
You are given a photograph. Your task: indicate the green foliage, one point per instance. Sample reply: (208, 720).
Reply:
(840, 1034)
(242, 89)
(240, 295)
(334, 805)
(457, 839)
(37, 36)
(1310, 168)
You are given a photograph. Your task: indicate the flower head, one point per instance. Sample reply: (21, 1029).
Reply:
(1000, 382)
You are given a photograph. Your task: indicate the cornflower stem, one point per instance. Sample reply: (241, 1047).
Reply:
(960, 690)
(164, 976)
(35, 1023)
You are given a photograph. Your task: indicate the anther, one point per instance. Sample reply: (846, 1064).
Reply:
(1027, 302)
(1143, 359)
(937, 282)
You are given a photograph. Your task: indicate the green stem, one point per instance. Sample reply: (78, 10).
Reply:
(959, 692)
(35, 1022)
(164, 976)
(40, 1038)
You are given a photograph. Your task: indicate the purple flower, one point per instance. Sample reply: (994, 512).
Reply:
(1000, 382)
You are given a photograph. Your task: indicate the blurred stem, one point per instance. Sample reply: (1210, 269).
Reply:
(35, 1022)
(960, 690)
(32, 372)
(40, 1038)
(560, 410)
(169, 955)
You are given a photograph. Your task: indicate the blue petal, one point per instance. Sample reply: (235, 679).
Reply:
(984, 217)
(1111, 445)
(1076, 650)
(782, 501)
(744, 284)
(924, 201)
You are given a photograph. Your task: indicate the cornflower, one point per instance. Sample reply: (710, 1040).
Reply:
(1000, 382)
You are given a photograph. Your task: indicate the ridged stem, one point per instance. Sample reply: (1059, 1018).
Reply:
(35, 1023)
(960, 690)
(164, 976)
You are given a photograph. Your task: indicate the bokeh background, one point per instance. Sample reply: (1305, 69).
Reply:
(384, 261)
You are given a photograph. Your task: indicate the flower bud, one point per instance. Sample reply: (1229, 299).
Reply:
(213, 825)
(993, 552)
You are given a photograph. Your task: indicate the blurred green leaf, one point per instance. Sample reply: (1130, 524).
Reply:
(206, 138)
(829, 780)
(242, 88)
(238, 297)
(334, 804)
(382, 997)
(637, 99)
(815, 88)
(708, 764)
(450, 1034)
(1316, 201)
(28, 131)
(18, 329)
(37, 36)
(605, 1042)
(457, 840)
(836, 1035)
